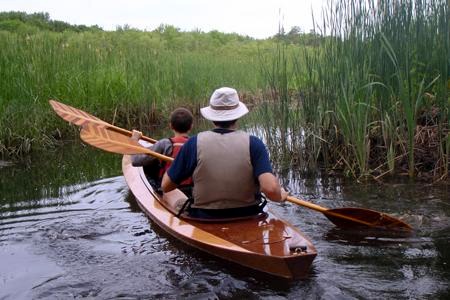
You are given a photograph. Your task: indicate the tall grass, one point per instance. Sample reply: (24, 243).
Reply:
(129, 77)
(379, 75)
(368, 96)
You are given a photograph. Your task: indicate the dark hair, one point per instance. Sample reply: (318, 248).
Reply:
(181, 120)
(224, 124)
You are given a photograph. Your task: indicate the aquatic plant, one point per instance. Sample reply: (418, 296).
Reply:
(377, 74)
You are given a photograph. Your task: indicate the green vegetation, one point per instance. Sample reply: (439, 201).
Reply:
(127, 77)
(366, 93)
(372, 99)
(32, 23)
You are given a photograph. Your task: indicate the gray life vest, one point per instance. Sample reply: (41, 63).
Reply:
(223, 177)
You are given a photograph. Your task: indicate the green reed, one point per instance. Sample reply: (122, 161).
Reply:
(377, 74)
(131, 78)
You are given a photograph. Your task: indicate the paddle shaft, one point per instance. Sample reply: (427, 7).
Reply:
(129, 133)
(121, 130)
(306, 204)
(158, 155)
(326, 210)
(112, 140)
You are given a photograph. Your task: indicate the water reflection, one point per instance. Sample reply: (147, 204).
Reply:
(370, 237)
(34, 179)
(74, 230)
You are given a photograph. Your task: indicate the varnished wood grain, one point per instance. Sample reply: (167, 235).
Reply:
(267, 244)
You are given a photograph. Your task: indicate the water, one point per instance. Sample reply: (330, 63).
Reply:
(69, 228)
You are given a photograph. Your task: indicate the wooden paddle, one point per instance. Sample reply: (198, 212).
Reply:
(106, 138)
(112, 140)
(80, 118)
(353, 216)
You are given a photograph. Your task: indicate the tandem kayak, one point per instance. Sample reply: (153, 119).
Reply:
(264, 243)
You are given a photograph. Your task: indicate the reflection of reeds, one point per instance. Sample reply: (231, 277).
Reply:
(26, 183)
(379, 71)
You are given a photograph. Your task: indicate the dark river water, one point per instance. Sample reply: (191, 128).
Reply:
(69, 228)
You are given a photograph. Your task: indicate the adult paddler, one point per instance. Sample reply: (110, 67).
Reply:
(229, 167)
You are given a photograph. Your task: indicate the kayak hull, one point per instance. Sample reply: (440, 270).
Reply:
(265, 243)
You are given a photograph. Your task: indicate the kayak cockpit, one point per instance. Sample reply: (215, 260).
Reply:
(263, 242)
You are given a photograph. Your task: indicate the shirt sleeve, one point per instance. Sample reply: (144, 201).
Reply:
(163, 146)
(259, 157)
(185, 163)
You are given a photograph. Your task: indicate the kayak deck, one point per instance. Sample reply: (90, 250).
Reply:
(265, 243)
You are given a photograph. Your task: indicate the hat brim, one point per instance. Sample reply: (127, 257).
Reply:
(224, 115)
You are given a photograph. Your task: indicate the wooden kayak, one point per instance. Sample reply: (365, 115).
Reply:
(265, 243)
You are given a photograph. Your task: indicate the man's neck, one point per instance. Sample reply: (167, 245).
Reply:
(232, 127)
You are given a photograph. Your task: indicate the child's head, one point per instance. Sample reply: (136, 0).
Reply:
(181, 120)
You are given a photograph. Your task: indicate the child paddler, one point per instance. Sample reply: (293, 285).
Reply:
(181, 121)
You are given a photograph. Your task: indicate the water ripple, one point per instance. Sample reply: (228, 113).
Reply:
(93, 242)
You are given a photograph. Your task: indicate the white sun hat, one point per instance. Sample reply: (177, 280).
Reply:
(224, 105)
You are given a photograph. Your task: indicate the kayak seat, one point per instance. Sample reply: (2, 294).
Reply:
(178, 204)
(186, 216)
(223, 215)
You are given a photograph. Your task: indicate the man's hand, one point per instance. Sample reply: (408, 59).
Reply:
(136, 135)
(284, 195)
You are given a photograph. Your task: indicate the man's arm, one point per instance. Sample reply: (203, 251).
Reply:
(167, 184)
(162, 146)
(271, 187)
(182, 167)
(262, 169)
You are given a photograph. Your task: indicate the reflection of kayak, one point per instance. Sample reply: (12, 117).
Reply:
(265, 243)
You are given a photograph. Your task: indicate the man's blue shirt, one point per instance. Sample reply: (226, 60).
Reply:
(186, 161)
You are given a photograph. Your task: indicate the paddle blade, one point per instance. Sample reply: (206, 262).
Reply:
(111, 141)
(82, 118)
(342, 217)
(73, 115)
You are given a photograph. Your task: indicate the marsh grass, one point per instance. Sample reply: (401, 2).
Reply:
(367, 94)
(130, 78)
(378, 74)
